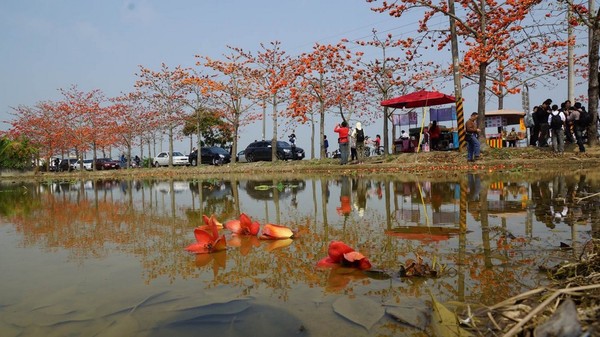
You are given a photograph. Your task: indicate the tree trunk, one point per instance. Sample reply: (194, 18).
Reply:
(171, 146)
(274, 139)
(312, 137)
(481, 103)
(593, 85)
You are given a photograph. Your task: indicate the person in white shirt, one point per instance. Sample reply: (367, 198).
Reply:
(556, 121)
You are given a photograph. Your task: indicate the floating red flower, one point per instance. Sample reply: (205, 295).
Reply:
(243, 225)
(276, 232)
(207, 238)
(342, 254)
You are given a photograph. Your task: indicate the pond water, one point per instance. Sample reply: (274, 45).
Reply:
(107, 258)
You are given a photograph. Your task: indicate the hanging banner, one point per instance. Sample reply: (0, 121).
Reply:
(405, 119)
(495, 121)
(442, 114)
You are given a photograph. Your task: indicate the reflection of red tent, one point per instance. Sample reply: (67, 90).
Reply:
(419, 99)
(423, 233)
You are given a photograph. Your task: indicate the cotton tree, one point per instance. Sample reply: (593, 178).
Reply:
(486, 27)
(41, 126)
(315, 71)
(587, 14)
(535, 53)
(392, 73)
(165, 92)
(200, 90)
(274, 78)
(124, 116)
(232, 91)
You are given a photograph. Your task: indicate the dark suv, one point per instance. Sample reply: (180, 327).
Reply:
(213, 155)
(67, 165)
(261, 150)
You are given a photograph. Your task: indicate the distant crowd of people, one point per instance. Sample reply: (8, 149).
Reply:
(352, 143)
(551, 124)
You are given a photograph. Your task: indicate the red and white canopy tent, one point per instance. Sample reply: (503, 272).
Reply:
(419, 99)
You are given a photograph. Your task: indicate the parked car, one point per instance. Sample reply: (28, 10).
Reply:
(162, 159)
(87, 164)
(107, 164)
(297, 153)
(67, 165)
(261, 150)
(212, 155)
(241, 157)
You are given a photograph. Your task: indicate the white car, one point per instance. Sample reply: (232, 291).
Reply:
(87, 164)
(162, 159)
(241, 157)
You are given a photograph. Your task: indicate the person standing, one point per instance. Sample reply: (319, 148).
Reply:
(512, 137)
(566, 109)
(326, 145)
(434, 136)
(556, 120)
(543, 117)
(578, 129)
(359, 136)
(352, 139)
(472, 137)
(377, 141)
(342, 131)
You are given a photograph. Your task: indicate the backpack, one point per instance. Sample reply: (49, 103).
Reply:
(556, 122)
(360, 135)
(585, 118)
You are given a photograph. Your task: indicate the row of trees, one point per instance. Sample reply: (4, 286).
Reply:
(504, 46)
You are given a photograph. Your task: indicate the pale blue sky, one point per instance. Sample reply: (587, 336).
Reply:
(48, 45)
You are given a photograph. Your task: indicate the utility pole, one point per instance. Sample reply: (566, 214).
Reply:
(571, 61)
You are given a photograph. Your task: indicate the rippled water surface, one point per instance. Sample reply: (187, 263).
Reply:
(107, 258)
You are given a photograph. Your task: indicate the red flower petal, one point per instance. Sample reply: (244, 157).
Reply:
(219, 244)
(234, 226)
(337, 249)
(198, 248)
(327, 262)
(274, 232)
(202, 236)
(254, 228)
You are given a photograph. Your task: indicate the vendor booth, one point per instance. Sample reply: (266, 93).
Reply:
(498, 120)
(408, 120)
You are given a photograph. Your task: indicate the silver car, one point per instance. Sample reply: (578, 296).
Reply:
(162, 159)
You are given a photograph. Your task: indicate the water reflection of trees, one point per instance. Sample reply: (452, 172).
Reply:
(155, 221)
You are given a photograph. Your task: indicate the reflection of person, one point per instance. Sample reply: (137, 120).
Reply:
(361, 196)
(342, 131)
(345, 205)
(472, 137)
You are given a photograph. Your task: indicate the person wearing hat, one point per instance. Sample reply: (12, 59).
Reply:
(359, 136)
(512, 138)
